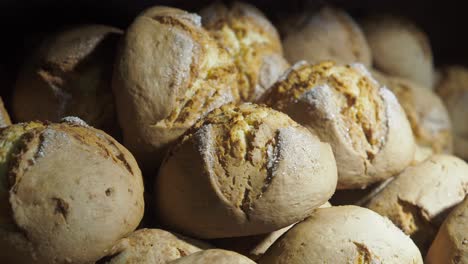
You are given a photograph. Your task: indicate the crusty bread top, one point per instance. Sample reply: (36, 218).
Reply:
(252, 40)
(218, 256)
(169, 73)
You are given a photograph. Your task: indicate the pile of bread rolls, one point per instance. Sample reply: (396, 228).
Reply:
(219, 137)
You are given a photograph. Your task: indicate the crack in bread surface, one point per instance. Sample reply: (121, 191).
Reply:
(362, 109)
(212, 79)
(247, 42)
(11, 139)
(246, 150)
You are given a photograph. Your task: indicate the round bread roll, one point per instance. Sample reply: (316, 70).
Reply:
(363, 121)
(152, 246)
(453, 89)
(4, 116)
(399, 48)
(451, 242)
(252, 40)
(169, 73)
(68, 192)
(70, 74)
(243, 170)
(426, 113)
(217, 256)
(328, 34)
(254, 246)
(418, 199)
(343, 234)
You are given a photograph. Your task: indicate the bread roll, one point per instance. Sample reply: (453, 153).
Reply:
(399, 48)
(243, 170)
(326, 34)
(68, 192)
(451, 243)
(453, 89)
(343, 234)
(151, 246)
(70, 74)
(217, 256)
(369, 133)
(254, 246)
(252, 40)
(169, 73)
(4, 116)
(418, 199)
(426, 113)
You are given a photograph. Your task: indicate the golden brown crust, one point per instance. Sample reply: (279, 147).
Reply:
(426, 113)
(214, 256)
(169, 73)
(252, 40)
(68, 192)
(347, 108)
(400, 49)
(328, 34)
(342, 234)
(453, 89)
(4, 116)
(419, 198)
(151, 246)
(233, 174)
(451, 243)
(70, 75)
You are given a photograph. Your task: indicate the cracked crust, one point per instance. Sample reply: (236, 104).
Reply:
(341, 234)
(451, 242)
(233, 172)
(453, 89)
(169, 73)
(418, 199)
(218, 256)
(426, 113)
(400, 48)
(4, 116)
(343, 105)
(251, 40)
(70, 74)
(328, 34)
(54, 207)
(151, 246)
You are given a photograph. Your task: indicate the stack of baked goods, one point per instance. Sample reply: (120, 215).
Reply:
(216, 138)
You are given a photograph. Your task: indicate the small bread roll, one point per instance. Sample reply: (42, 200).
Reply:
(328, 34)
(70, 74)
(426, 113)
(68, 192)
(169, 73)
(362, 120)
(399, 48)
(418, 199)
(451, 243)
(255, 246)
(152, 246)
(252, 40)
(217, 256)
(243, 170)
(4, 116)
(343, 234)
(453, 89)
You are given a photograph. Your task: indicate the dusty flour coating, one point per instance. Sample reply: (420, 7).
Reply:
(73, 120)
(248, 37)
(359, 106)
(246, 143)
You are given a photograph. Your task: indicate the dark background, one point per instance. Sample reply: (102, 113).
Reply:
(24, 22)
